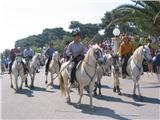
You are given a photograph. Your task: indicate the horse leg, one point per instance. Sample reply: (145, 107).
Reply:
(91, 86)
(11, 80)
(134, 90)
(95, 88)
(114, 82)
(117, 84)
(32, 81)
(51, 79)
(67, 88)
(16, 82)
(26, 81)
(99, 85)
(80, 95)
(140, 97)
(22, 80)
(46, 79)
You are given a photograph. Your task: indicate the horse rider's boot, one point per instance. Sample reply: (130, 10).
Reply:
(73, 76)
(37, 71)
(46, 71)
(123, 73)
(10, 67)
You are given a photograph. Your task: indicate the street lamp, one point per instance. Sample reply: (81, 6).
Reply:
(116, 32)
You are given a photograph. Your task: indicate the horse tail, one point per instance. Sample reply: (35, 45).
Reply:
(62, 84)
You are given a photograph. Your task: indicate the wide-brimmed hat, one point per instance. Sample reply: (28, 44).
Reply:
(75, 32)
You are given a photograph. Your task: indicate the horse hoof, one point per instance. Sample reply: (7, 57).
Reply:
(11, 86)
(141, 98)
(78, 105)
(100, 94)
(92, 109)
(119, 93)
(68, 100)
(46, 82)
(95, 93)
(20, 88)
(31, 86)
(134, 96)
(26, 85)
(114, 90)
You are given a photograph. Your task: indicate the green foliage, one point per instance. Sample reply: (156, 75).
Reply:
(59, 45)
(6, 52)
(145, 14)
(86, 29)
(42, 39)
(107, 24)
(36, 49)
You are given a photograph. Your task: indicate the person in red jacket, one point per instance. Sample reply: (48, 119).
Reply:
(15, 51)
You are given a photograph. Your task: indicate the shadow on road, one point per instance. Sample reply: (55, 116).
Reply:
(145, 99)
(56, 87)
(36, 88)
(113, 99)
(100, 111)
(27, 92)
(156, 86)
(106, 86)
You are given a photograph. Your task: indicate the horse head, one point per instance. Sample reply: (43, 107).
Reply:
(96, 54)
(18, 60)
(146, 53)
(55, 56)
(42, 59)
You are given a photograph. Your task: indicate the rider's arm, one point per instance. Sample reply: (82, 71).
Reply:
(69, 51)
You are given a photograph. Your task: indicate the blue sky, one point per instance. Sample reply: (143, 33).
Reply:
(21, 18)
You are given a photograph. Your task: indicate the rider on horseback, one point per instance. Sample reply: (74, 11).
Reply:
(125, 51)
(75, 50)
(14, 52)
(27, 54)
(49, 52)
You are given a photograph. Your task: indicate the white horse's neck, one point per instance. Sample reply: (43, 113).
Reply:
(90, 61)
(33, 63)
(137, 57)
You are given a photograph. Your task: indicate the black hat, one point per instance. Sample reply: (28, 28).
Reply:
(75, 32)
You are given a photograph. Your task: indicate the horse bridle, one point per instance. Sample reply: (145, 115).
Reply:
(97, 54)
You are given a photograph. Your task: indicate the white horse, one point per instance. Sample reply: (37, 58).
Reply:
(54, 67)
(85, 73)
(134, 67)
(17, 70)
(32, 67)
(103, 70)
(116, 65)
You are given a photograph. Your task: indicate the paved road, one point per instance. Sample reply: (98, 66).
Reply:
(41, 104)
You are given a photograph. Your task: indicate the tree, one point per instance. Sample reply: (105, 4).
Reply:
(87, 30)
(145, 14)
(127, 27)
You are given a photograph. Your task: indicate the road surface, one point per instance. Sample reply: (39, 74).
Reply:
(40, 103)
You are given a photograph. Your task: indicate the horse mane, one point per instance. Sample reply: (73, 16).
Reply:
(138, 51)
(90, 51)
(53, 60)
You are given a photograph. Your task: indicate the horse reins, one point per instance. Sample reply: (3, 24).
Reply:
(91, 77)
